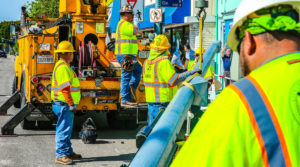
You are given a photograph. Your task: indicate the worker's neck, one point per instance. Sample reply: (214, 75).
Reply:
(65, 60)
(267, 52)
(125, 18)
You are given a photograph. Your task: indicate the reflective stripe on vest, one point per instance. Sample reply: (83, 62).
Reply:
(56, 86)
(55, 82)
(186, 63)
(119, 37)
(156, 80)
(264, 122)
(126, 41)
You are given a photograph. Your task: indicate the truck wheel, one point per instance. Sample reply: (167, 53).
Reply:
(116, 123)
(25, 124)
(113, 122)
(13, 90)
(131, 124)
(44, 125)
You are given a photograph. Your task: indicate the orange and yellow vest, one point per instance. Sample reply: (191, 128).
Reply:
(126, 40)
(62, 77)
(159, 77)
(190, 64)
(255, 122)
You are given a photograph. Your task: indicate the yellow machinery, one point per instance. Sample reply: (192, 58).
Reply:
(83, 23)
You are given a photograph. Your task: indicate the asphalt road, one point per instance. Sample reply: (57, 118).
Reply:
(36, 148)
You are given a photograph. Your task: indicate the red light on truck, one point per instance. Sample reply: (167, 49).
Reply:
(35, 80)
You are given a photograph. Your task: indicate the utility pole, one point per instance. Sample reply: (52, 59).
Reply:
(158, 26)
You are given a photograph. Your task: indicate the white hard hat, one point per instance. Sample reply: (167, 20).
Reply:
(248, 7)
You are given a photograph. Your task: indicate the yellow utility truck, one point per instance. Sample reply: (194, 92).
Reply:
(83, 23)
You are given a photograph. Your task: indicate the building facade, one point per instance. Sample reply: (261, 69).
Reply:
(225, 13)
(209, 27)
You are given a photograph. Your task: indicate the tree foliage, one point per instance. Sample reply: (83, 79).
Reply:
(38, 8)
(5, 31)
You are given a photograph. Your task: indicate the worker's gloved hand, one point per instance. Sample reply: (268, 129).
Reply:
(196, 70)
(72, 108)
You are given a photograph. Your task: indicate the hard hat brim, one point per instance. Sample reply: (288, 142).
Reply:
(232, 39)
(159, 48)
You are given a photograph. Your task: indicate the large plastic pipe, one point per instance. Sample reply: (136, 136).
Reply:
(159, 145)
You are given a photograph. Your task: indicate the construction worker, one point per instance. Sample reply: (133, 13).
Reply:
(126, 50)
(227, 58)
(255, 121)
(189, 53)
(65, 95)
(160, 78)
(190, 64)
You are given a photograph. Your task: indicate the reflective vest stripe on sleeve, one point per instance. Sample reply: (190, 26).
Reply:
(55, 82)
(264, 122)
(157, 81)
(119, 37)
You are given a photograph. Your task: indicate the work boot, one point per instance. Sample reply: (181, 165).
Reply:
(64, 160)
(75, 156)
(128, 104)
(132, 94)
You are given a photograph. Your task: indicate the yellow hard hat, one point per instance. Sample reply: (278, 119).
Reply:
(64, 47)
(161, 42)
(198, 51)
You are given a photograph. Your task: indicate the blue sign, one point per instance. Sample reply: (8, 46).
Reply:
(171, 3)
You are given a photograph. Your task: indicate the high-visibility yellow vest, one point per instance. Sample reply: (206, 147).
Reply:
(190, 64)
(254, 122)
(126, 40)
(64, 76)
(159, 77)
(209, 73)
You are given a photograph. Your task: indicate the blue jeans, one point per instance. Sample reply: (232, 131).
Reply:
(129, 78)
(153, 110)
(64, 128)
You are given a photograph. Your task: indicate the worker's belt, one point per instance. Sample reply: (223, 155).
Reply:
(132, 41)
(128, 63)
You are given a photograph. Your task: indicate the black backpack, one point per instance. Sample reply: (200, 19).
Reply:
(88, 133)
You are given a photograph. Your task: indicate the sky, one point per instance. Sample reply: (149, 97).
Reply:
(10, 10)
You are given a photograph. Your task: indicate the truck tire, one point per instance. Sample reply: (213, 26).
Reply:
(115, 123)
(45, 125)
(25, 124)
(13, 90)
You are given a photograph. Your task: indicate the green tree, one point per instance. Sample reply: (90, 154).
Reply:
(4, 29)
(38, 8)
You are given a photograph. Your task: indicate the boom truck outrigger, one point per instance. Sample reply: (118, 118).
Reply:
(83, 23)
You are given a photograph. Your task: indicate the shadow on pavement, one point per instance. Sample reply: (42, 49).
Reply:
(28, 135)
(122, 157)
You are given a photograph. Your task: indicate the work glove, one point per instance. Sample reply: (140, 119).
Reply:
(72, 108)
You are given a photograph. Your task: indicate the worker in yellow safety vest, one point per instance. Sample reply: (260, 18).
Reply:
(190, 64)
(255, 121)
(160, 78)
(65, 95)
(126, 50)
